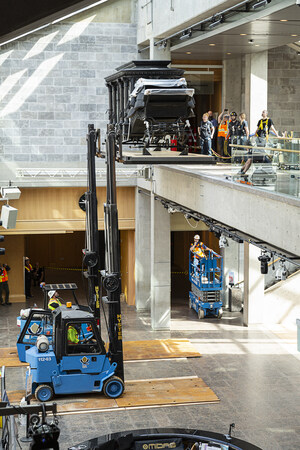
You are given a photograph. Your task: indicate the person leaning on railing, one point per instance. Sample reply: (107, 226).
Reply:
(264, 126)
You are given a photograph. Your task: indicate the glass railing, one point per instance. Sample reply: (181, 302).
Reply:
(272, 164)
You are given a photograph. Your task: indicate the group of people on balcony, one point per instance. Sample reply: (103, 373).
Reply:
(229, 129)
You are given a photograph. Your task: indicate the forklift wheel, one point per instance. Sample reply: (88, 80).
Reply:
(200, 313)
(43, 393)
(113, 387)
(220, 313)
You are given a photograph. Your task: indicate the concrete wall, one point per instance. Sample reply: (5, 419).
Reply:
(284, 88)
(52, 84)
(261, 214)
(282, 302)
(157, 18)
(232, 85)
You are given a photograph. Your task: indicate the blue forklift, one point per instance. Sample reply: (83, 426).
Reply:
(71, 366)
(206, 277)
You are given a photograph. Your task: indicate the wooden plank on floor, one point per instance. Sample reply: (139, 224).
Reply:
(164, 392)
(133, 350)
(142, 393)
(9, 357)
(159, 349)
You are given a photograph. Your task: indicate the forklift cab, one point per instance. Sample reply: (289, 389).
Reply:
(75, 333)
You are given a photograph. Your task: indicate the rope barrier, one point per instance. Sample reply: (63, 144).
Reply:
(219, 156)
(264, 148)
(63, 268)
(79, 270)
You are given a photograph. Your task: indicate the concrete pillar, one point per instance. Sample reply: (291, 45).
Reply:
(160, 267)
(232, 84)
(142, 250)
(233, 264)
(253, 286)
(159, 52)
(256, 87)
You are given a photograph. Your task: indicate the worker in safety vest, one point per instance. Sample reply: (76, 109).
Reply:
(198, 248)
(223, 132)
(4, 268)
(55, 300)
(28, 277)
(73, 337)
(264, 126)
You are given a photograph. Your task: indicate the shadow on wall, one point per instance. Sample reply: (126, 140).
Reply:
(282, 302)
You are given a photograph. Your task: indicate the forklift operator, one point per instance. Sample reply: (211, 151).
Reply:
(78, 342)
(55, 300)
(73, 337)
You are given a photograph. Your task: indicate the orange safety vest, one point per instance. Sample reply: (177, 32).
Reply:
(223, 129)
(199, 250)
(29, 269)
(4, 276)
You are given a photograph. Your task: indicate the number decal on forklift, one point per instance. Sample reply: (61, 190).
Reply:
(46, 358)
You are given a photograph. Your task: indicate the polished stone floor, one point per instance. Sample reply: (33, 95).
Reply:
(255, 374)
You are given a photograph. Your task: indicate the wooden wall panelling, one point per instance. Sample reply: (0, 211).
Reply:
(14, 253)
(54, 210)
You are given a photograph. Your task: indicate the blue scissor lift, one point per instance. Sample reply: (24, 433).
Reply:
(206, 277)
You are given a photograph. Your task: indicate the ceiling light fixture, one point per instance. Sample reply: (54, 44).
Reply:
(212, 45)
(163, 45)
(243, 34)
(283, 20)
(294, 35)
(186, 34)
(188, 53)
(216, 20)
(260, 3)
(228, 53)
(282, 272)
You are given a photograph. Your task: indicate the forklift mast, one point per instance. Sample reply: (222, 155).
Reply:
(110, 277)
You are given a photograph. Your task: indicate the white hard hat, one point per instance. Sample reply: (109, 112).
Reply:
(51, 293)
(197, 236)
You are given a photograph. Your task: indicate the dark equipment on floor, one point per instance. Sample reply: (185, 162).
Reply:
(166, 438)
